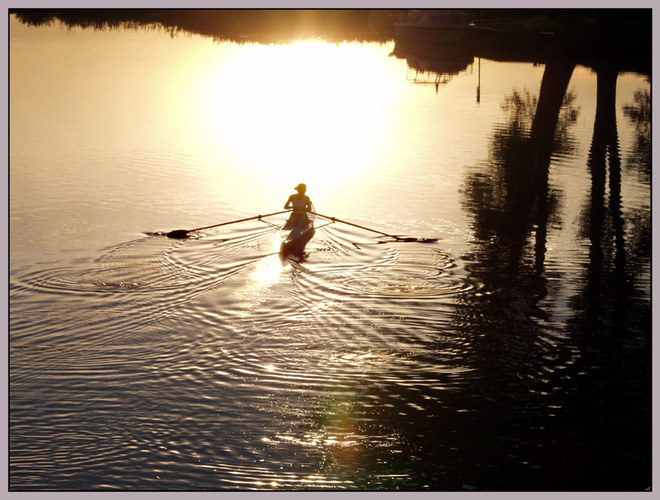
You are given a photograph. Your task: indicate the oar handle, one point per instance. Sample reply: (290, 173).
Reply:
(334, 219)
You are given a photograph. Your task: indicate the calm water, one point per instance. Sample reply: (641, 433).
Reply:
(511, 354)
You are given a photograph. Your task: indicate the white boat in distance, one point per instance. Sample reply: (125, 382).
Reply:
(438, 26)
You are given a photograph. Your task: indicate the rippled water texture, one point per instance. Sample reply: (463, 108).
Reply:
(275, 366)
(510, 351)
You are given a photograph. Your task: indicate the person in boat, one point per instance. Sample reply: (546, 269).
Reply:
(301, 204)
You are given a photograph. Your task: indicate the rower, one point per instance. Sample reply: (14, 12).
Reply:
(301, 204)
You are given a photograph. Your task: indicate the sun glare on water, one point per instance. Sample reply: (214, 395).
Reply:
(309, 110)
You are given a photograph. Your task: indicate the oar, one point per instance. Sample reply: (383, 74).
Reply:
(397, 238)
(183, 233)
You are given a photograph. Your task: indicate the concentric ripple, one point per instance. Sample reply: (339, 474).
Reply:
(213, 363)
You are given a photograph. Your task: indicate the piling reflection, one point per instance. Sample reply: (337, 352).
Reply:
(611, 313)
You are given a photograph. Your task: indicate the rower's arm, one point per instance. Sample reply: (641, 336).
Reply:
(287, 205)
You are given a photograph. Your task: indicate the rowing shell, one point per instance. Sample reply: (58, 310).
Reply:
(295, 238)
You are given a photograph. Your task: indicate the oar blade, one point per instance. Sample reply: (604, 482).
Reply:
(188, 233)
(178, 234)
(409, 239)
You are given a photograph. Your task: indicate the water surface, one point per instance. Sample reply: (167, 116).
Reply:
(511, 354)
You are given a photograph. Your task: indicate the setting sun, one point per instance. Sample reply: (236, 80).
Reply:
(315, 112)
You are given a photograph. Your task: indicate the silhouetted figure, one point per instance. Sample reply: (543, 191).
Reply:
(301, 204)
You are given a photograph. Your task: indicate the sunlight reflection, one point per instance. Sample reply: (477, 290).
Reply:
(309, 110)
(336, 429)
(319, 439)
(355, 358)
(268, 268)
(265, 273)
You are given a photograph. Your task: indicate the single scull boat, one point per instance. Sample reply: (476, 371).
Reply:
(295, 235)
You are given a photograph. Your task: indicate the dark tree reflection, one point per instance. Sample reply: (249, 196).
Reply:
(639, 113)
(238, 25)
(579, 404)
(638, 233)
(511, 200)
